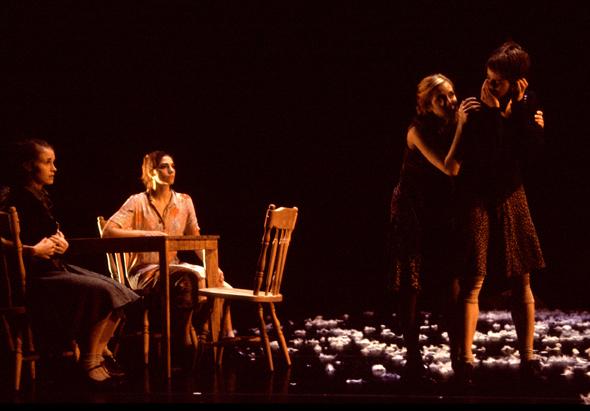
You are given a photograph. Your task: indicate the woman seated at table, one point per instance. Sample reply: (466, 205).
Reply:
(67, 302)
(162, 211)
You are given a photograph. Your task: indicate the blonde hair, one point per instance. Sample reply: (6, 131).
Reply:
(150, 163)
(425, 89)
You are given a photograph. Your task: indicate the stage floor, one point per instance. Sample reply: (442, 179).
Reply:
(350, 359)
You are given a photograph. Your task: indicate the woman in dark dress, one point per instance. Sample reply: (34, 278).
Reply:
(497, 234)
(67, 302)
(420, 217)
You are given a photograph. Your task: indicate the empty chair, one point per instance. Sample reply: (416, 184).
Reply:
(278, 226)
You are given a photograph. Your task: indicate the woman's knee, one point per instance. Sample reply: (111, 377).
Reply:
(469, 290)
(185, 289)
(521, 290)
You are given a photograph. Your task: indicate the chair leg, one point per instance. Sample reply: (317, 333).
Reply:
(18, 361)
(119, 335)
(282, 341)
(31, 350)
(146, 337)
(14, 343)
(222, 327)
(265, 340)
(203, 331)
(194, 338)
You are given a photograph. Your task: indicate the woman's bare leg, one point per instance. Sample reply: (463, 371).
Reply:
(91, 348)
(523, 315)
(470, 303)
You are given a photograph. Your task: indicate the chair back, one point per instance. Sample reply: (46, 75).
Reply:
(278, 226)
(12, 268)
(117, 262)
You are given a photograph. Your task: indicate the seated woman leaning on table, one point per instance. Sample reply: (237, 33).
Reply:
(160, 210)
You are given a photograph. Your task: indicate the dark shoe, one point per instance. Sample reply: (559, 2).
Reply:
(464, 374)
(531, 371)
(415, 372)
(113, 367)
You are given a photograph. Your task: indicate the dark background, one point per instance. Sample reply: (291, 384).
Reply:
(292, 103)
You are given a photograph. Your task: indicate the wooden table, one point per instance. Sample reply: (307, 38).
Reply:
(162, 245)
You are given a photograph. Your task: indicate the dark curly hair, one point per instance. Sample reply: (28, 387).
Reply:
(510, 60)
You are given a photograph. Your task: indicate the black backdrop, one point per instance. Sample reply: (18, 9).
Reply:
(292, 103)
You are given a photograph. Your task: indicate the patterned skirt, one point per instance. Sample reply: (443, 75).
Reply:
(419, 235)
(499, 238)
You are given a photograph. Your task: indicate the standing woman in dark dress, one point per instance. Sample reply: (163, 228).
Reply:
(420, 217)
(67, 302)
(497, 234)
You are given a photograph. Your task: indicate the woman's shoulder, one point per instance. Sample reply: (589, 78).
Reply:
(183, 196)
(138, 196)
(12, 196)
(135, 200)
(4, 196)
(25, 202)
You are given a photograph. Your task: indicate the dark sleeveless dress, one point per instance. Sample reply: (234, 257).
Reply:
(495, 229)
(421, 216)
(64, 299)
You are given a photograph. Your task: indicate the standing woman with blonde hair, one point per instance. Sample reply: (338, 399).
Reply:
(420, 214)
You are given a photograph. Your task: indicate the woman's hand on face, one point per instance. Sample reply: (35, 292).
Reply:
(44, 248)
(487, 97)
(467, 106)
(519, 88)
(61, 244)
(539, 119)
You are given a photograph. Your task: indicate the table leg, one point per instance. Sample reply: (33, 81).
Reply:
(165, 277)
(211, 272)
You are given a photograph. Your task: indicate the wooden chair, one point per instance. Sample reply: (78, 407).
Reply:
(15, 318)
(278, 226)
(117, 265)
(16, 321)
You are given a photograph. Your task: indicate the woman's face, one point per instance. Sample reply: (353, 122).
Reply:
(443, 102)
(43, 168)
(166, 171)
(499, 86)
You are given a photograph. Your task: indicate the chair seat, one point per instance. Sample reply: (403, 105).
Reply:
(240, 294)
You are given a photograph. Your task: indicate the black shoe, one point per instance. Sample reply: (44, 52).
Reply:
(464, 374)
(531, 371)
(113, 367)
(415, 372)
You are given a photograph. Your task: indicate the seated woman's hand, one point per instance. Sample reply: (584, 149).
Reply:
(221, 277)
(44, 248)
(61, 244)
